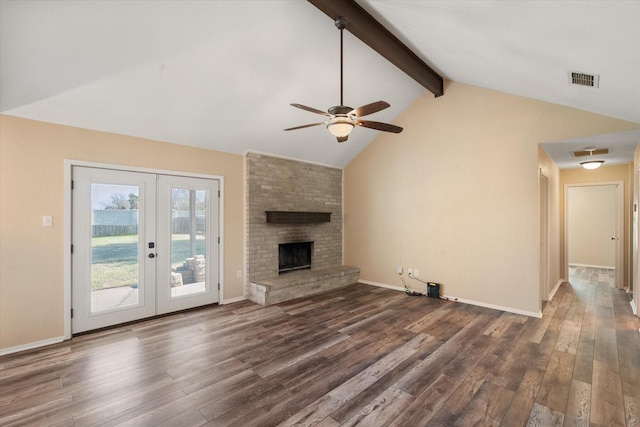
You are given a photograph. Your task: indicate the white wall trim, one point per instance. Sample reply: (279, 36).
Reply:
(382, 285)
(221, 235)
(232, 300)
(127, 168)
(494, 306)
(245, 226)
(633, 268)
(544, 221)
(604, 267)
(31, 345)
(66, 250)
(462, 300)
(555, 288)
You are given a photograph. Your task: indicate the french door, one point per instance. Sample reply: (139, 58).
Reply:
(143, 244)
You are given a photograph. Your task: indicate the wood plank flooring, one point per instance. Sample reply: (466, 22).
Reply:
(356, 356)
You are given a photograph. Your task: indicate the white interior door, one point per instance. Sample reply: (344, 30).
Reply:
(593, 228)
(113, 275)
(143, 244)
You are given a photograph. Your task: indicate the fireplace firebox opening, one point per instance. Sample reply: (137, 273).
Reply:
(294, 256)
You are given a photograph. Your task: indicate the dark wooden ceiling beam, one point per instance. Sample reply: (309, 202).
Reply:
(365, 27)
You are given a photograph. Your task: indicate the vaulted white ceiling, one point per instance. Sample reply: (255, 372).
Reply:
(221, 74)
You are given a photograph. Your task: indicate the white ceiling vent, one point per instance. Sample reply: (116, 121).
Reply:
(589, 151)
(584, 79)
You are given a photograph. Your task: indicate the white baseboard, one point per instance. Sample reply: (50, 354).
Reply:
(496, 307)
(232, 300)
(382, 285)
(605, 267)
(30, 346)
(43, 343)
(555, 288)
(633, 308)
(464, 301)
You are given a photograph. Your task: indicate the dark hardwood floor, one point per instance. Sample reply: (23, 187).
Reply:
(357, 356)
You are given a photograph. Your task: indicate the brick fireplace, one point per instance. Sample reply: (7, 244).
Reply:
(282, 185)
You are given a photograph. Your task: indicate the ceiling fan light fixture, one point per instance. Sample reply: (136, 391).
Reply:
(592, 164)
(340, 127)
(342, 119)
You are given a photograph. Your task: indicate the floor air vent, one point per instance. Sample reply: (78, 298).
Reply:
(584, 79)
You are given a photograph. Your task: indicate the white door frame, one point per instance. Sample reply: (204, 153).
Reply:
(635, 304)
(544, 204)
(619, 226)
(68, 166)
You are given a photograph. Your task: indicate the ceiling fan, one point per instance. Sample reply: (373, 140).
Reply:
(342, 119)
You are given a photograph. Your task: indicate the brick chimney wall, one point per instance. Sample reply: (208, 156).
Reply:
(277, 184)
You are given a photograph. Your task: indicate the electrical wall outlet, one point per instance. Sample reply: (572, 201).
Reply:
(410, 271)
(399, 269)
(239, 274)
(415, 272)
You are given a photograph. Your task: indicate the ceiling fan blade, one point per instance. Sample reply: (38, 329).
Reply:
(310, 109)
(374, 107)
(306, 126)
(342, 138)
(386, 127)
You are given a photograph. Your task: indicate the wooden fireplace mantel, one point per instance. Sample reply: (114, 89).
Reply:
(290, 217)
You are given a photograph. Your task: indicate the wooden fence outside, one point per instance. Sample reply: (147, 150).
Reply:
(114, 230)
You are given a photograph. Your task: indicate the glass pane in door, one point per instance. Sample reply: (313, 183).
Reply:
(188, 241)
(114, 246)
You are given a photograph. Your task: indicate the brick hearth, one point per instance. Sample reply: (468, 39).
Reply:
(301, 284)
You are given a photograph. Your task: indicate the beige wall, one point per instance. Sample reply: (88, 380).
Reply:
(604, 173)
(456, 194)
(32, 156)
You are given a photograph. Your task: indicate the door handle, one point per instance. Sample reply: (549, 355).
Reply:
(152, 255)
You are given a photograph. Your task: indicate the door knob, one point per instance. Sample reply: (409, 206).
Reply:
(152, 255)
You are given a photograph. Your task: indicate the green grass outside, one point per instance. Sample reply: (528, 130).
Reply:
(114, 258)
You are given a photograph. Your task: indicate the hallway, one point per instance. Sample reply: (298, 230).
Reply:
(606, 373)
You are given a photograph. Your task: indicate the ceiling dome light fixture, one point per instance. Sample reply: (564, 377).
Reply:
(592, 164)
